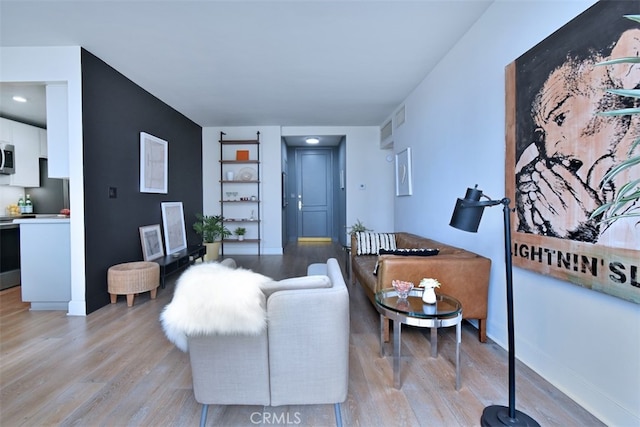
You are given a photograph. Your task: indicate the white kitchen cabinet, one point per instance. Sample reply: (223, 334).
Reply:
(43, 143)
(6, 130)
(45, 262)
(26, 142)
(57, 130)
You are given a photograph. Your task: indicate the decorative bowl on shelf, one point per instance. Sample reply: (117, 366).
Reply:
(247, 174)
(402, 288)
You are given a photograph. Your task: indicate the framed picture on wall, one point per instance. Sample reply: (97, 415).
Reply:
(151, 241)
(560, 150)
(175, 237)
(154, 164)
(403, 173)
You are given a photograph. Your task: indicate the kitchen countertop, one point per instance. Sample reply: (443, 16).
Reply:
(43, 219)
(10, 218)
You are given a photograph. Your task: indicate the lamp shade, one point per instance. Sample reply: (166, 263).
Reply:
(468, 212)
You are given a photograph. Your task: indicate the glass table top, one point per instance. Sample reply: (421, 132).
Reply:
(445, 305)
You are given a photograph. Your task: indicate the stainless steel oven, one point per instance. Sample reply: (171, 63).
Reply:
(9, 254)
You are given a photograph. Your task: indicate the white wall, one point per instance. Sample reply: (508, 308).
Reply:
(59, 65)
(586, 343)
(9, 195)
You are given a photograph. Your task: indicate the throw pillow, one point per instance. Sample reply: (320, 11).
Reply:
(405, 252)
(410, 252)
(371, 243)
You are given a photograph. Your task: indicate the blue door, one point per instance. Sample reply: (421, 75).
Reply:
(315, 208)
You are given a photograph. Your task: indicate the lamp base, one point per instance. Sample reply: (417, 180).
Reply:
(499, 416)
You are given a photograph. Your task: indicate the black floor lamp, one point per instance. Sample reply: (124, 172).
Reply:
(466, 216)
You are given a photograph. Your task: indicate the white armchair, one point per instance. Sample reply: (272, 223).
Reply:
(301, 357)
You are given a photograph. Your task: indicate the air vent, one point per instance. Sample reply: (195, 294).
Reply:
(399, 117)
(386, 131)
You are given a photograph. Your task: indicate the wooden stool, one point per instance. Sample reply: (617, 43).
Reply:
(131, 278)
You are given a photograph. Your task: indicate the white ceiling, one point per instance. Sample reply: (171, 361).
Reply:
(241, 63)
(33, 112)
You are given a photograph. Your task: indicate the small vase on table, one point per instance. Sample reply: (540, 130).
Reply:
(428, 293)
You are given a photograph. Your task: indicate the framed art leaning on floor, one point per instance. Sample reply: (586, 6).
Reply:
(175, 236)
(151, 242)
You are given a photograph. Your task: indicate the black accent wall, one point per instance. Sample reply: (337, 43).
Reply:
(114, 112)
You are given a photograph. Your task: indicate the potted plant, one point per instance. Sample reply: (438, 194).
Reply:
(357, 227)
(240, 232)
(212, 230)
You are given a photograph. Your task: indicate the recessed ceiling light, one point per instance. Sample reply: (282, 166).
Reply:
(312, 140)
(19, 98)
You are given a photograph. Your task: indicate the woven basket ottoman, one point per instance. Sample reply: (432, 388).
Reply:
(131, 278)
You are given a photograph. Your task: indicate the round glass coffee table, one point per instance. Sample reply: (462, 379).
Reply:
(447, 311)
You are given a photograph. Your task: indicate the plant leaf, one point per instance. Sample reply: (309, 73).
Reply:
(610, 210)
(629, 186)
(633, 17)
(635, 144)
(623, 60)
(620, 168)
(617, 217)
(621, 112)
(616, 205)
(633, 93)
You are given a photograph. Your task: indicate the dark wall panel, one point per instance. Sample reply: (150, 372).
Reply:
(115, 111)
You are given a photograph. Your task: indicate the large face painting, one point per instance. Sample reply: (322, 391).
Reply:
(559, 149)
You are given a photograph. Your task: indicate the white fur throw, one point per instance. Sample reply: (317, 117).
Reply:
(211, 298)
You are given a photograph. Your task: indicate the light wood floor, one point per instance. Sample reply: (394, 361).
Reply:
(115, 368)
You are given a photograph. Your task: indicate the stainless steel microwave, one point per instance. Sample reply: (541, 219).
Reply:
(7, 159)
